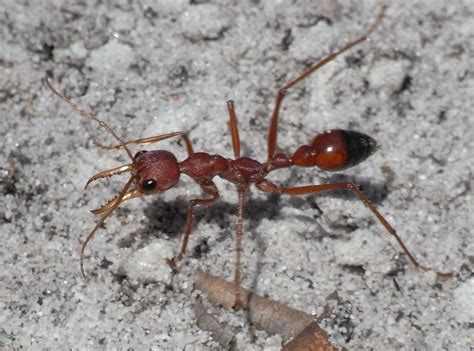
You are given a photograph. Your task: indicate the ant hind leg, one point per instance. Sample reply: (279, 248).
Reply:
(273, 129)
(268, 186)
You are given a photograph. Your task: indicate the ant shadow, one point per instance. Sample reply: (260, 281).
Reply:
(169, 218)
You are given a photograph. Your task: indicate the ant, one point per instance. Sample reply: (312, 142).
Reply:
(157, 171)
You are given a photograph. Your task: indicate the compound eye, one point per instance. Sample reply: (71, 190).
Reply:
(148, 185)
(139, 153)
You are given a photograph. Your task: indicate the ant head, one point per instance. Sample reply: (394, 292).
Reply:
(335, 149)
(155, 171)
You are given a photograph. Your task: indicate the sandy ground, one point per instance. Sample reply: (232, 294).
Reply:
(151, 67)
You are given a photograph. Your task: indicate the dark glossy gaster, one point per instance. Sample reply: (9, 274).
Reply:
(335, 150)
(156, 171)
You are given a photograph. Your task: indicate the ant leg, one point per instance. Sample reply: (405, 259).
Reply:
(234, 129)
(273, 130)
(131, 194)
(209, 188)
(238, 303)
(267, 186)
(153, 139)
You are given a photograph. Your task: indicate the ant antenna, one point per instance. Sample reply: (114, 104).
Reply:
(89, 115)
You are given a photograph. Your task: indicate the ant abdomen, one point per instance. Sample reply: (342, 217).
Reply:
(334, 150)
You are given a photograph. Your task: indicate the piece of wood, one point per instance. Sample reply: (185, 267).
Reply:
(269, 315)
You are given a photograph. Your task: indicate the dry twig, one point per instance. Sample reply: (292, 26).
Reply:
(221, 333)
(271, 316)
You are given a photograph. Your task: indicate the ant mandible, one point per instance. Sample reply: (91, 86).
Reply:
(157, 171)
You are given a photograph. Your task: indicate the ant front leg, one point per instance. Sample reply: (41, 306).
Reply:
(209, 188)
(268, 186)
(153, 139)
(238, 303)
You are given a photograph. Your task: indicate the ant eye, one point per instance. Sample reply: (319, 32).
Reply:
(139, 153)
(148, 185)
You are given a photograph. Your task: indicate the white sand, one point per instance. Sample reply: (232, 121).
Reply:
(153, 67)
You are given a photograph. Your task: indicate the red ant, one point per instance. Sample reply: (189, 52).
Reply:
(157, 171)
